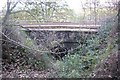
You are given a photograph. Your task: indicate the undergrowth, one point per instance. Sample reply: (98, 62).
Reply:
(17, 57)
(95, 49)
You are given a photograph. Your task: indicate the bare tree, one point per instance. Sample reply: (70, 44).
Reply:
(12, 33)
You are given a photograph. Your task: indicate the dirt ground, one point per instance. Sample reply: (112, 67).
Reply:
(108, 68)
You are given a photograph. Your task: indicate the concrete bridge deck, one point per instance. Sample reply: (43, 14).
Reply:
(61, 27)
(70, 34)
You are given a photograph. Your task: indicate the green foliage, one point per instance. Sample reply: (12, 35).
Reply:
(75, 66)
(20, 58)
(84, 59)
(42, 11)
(30, 60)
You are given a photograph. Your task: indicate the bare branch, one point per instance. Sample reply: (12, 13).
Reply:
(14, 6)
(83, 9)
(26, 12)
(18, 43)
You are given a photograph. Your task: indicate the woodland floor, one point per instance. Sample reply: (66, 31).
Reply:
(108, 68)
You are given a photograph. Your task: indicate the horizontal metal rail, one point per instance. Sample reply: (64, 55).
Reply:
(61, 27)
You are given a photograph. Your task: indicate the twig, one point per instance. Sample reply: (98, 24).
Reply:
(23, 44)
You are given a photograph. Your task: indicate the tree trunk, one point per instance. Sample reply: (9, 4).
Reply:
(118, 37)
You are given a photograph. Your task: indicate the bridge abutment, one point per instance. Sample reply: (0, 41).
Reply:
(67, 39)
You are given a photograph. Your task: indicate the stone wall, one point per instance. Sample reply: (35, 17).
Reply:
(68, 39)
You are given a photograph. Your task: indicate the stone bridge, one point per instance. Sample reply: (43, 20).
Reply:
(68, 35)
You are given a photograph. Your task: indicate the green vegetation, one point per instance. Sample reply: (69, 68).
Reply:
(21, 51)
(84, 60)
(20, 58)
